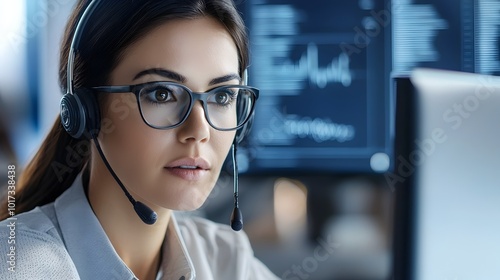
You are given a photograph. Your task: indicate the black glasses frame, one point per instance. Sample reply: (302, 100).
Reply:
(194, 96)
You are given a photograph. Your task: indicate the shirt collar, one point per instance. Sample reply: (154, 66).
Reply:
(176, 262)
(92, 252)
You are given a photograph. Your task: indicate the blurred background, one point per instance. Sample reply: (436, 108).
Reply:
(315, 192)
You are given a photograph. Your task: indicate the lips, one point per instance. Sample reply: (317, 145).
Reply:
(189, 163)
(190, 169)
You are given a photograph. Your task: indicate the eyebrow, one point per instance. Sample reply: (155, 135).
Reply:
(162, 72)
(224, 79)
(181, 79)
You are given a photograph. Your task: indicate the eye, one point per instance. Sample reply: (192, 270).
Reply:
(159, 95)
(222, 98)
(162, 95)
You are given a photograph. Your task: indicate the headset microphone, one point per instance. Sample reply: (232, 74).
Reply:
(236, 216)
(146, 214)
(236, 220)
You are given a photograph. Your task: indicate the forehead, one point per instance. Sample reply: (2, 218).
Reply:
(192, 47)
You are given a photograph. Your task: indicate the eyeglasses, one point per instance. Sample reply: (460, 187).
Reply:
(166, 105)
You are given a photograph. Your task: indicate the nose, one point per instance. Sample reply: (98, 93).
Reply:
(196, 127)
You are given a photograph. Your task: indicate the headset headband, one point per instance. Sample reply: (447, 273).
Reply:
(75, 42)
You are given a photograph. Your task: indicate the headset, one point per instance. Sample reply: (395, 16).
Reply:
(80, 117)
(79, 110)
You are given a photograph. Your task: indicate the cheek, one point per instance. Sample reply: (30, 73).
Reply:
(116, 109)
(124, 136)
(222, 141)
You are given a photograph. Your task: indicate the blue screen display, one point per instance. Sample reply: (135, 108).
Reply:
(324, 70)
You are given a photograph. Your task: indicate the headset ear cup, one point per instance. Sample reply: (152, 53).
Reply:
(80, 114)
(72, 115)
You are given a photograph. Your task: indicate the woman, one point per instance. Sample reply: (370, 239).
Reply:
(145, 64)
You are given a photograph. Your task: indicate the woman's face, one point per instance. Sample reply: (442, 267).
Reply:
(155, 165)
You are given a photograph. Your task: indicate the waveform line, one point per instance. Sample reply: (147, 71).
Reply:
(336, 71)
(272, 51)
(307, 68)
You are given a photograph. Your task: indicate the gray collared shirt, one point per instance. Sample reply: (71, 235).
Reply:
(64, 240)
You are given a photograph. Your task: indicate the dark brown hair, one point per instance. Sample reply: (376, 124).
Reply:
(6, 149)
(113, 26)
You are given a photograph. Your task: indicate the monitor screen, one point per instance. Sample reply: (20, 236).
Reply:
(321, 67)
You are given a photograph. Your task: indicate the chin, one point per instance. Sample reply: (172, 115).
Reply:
(189, 203)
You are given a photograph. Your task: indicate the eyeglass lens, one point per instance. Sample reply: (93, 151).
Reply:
(167, 105)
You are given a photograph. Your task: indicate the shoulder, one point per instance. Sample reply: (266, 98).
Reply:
(31, 226)
(32, 247)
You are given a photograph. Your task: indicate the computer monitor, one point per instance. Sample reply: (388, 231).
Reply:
(323, 70)
(447, 176)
